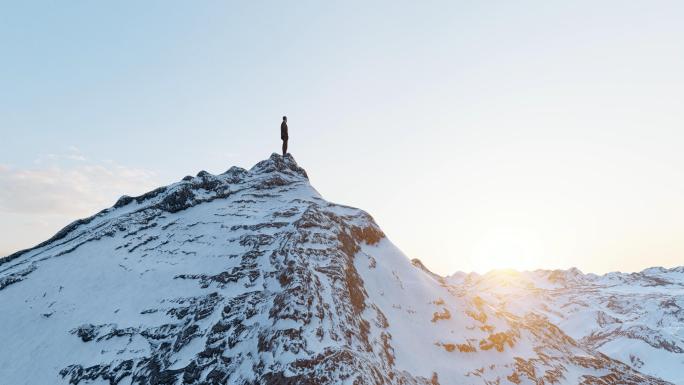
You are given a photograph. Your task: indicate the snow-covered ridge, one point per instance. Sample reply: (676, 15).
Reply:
(251, 277)
(191, 191)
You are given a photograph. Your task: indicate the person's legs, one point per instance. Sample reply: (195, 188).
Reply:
(284, 147)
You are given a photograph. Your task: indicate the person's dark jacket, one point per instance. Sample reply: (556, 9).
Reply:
(283, 131)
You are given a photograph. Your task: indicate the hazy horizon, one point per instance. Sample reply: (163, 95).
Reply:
(478, 135)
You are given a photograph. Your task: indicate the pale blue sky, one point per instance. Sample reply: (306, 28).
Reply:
(479, 134)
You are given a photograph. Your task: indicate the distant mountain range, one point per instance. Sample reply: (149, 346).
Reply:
(637, 318)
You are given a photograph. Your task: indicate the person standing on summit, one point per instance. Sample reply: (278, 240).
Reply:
(283, 134)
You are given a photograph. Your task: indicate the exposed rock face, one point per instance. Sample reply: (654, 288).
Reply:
(250, 277)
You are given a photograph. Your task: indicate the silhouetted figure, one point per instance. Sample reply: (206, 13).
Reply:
(283, 134)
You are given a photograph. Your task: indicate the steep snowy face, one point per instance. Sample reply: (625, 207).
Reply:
(244, 277)
(637, 318)
(250, 277)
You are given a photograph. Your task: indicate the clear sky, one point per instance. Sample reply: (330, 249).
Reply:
(479, 134)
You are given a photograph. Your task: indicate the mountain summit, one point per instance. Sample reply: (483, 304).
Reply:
(251, 277)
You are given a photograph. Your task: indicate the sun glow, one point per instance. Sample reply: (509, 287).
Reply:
(507, 248)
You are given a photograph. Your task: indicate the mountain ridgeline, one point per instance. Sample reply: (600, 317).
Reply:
(251, 277)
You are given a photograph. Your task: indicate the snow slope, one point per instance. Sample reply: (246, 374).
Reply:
(251, 277)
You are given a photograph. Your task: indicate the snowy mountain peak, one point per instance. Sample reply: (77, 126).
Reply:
(251, 277)
(274, 171)
(190, 191)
